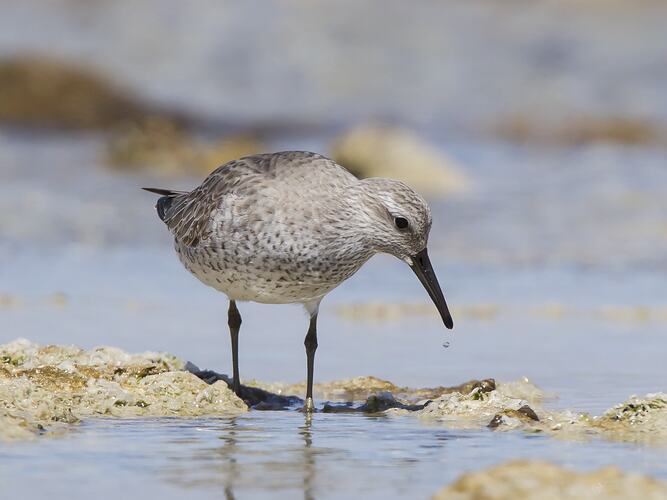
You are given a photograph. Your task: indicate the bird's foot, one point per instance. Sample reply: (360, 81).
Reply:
(309, 406)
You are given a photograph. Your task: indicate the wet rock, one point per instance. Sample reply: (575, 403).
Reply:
(472, 409)
(538, 480)
(514, 418)
(162, 146)
(377, 151)
(486, 385)
(361, 388)
(377, 403)
(255, 397)
(385, 401)
(640, 419)
(38, 91)
(48, 388)
(353, 389)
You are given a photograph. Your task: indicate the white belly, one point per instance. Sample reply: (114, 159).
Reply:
(250, 283)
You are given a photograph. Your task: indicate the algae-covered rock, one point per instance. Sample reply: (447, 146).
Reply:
(37, 91)
(376, 151)
(165, 147)
(528, 480)
(642, 420)
(47, 387)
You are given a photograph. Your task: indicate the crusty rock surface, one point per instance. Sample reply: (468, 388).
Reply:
(528, 480)
(639, 420)
(44, 386)
(478, 407)
(43, 389)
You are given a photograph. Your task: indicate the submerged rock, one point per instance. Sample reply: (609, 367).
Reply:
(536, 480)
(42, 388)
(377, 403)
(348, 390)
(376, 151)
(254, 396)
(361, 388)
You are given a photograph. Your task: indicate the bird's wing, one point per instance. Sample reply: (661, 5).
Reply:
(188, 216)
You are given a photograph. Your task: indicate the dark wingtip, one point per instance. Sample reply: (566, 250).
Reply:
(449, 323)
(160, 191)
(163, 205)
(166, 199)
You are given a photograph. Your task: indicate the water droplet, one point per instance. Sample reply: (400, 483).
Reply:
(445, 344)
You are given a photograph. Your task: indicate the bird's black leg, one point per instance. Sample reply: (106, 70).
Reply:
(234, 322)
(311, 346)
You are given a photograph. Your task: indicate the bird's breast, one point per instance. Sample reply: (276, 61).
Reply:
(270, 271)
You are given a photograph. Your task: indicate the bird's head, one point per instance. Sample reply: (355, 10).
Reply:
(401, 222)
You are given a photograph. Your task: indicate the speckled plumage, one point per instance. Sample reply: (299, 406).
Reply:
(288, 228)
(281, 228)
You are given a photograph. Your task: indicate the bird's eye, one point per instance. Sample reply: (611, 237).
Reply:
(401, 222)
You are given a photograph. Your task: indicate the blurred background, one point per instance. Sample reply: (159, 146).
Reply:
(537, 129)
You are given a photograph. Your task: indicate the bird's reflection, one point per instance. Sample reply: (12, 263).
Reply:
(239, 459)
(228, 452)
(308, 457)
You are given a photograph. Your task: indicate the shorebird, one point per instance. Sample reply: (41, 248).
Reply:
(290, 227)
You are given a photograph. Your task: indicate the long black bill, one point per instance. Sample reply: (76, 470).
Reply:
(421, 265)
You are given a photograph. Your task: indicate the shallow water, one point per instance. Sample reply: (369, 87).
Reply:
(81, 267)
(564, 248)
(279, 454)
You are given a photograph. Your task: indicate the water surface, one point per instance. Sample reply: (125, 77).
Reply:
(567, 246)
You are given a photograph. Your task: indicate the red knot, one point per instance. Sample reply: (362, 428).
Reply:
(290, 227)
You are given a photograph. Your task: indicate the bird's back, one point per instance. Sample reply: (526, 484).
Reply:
(300, 175)
(268, 227)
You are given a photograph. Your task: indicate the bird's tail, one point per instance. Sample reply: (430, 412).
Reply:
(166, 199)
(164, 192)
